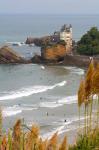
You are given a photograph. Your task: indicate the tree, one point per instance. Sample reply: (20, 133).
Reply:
(89, 42)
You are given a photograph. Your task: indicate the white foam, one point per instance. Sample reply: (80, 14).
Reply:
(50, 104)
(53, 104)
(65, 127)
(27, 107)
(49, 134)
(68, 100)
(61, 83)
(16, 43)
(30, 91)
(16, 109)
(11, 111)
(75, 70)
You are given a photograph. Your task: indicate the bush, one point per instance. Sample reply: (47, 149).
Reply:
(89, 43)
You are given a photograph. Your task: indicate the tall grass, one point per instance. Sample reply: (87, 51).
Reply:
(32, 140)
(88, 93)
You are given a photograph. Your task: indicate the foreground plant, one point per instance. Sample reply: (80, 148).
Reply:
(87, 142)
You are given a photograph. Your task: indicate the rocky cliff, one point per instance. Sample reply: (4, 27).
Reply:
(38, 41)
(45, 40)
(8, 55)
(53, 53)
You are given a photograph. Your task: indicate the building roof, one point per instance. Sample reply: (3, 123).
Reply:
(66, 28)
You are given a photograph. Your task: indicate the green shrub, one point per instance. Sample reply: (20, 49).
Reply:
(89, 42)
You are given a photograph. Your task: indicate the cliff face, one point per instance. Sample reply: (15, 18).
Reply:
(53, 53)
(8, 55)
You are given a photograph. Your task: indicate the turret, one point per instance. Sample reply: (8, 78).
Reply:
(66, 35)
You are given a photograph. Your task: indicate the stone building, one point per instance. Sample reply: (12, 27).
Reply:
(66, 35)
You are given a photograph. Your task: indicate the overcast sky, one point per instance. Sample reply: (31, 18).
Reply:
(50, 6)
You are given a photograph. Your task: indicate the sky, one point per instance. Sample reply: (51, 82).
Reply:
(49, 6)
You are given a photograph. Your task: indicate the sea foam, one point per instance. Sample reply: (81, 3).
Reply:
(16, 109)
(50, 104)
(11, 111)
(75, 70)
(59, 102)
(68, 100)
(64, 127)
(30, 91)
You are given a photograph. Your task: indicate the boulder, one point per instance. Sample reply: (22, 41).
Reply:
(53, 53)
(36, 59)
(8, 55)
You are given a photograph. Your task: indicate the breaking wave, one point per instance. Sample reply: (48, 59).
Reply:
(75, 70)
(59, 102)
(11, 111)
(63, 128)
(68, 100)
(30, 91)
(16, 109)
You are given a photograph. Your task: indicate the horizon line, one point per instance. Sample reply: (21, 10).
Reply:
(2, 13)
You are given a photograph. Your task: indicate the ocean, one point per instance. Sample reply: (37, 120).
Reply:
(45, 95)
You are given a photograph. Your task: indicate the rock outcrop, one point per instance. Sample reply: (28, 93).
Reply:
(8, 55)
(53, 53)
(46, 40)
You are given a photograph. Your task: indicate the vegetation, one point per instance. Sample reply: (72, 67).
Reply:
(20, 139)
(88, 89)
(89, 43)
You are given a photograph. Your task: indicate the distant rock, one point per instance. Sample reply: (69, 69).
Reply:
(36, 59)
(45, 40)
(54, 53)
(8, 55)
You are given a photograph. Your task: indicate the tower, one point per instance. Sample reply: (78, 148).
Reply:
(66, 35)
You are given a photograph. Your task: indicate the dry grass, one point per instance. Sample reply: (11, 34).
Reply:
(81, 93)
(19, 140)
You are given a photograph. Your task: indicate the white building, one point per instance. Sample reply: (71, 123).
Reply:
(66, 35)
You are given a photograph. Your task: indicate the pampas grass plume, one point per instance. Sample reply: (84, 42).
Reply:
(88, 80)
(52, 145)
(81, 93)
(95, 81)
(63, 145)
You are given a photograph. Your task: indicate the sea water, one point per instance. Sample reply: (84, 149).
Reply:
(45, 95)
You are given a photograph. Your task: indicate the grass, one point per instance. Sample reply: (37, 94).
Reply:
(88, 139)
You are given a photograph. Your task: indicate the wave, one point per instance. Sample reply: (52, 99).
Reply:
(11, 111)
(60, 102)
(15, 43)
(64, 127)
(50, 134)
(68, 100)
(30, 91)
(76, 70)
(27, 107)
(50, 104)
(17, 109)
